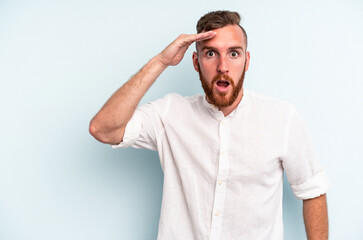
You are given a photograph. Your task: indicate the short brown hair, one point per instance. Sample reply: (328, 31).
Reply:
(219, 19)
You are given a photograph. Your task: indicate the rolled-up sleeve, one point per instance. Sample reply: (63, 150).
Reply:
(142, 129)
(303, 170)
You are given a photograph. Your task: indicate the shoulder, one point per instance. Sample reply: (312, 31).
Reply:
(174, 102)
(268, 107)
(176, 99)
(259, 99)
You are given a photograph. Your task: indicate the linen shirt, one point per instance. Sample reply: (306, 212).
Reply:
(223, 175)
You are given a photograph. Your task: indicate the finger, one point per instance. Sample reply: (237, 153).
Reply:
(205, 36)
(189, 39)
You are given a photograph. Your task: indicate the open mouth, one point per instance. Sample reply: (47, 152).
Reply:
(222, 85)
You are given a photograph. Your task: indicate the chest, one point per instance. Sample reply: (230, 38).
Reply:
(242, 148)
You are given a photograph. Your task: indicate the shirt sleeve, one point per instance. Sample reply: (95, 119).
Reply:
(303, 170)
(143, 129)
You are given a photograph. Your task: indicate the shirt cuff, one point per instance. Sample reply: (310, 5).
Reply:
(132, 132)
(314, 187)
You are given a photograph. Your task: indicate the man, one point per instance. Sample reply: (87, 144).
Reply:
(223, 154)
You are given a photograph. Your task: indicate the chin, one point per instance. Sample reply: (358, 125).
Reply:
(222, 100)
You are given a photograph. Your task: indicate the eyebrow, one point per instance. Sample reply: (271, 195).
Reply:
(230, 48)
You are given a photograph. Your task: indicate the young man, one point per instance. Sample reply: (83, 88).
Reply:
(223, 153)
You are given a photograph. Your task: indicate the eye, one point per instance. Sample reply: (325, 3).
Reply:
(211, 54)
(234, 54)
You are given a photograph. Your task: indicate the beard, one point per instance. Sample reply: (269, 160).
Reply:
(220, 99)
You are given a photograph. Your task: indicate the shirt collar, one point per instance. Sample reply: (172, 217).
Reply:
(219, 114)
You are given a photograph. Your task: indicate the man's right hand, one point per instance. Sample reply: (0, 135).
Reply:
(174, 53)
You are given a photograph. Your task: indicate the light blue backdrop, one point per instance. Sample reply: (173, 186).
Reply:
(61, 60)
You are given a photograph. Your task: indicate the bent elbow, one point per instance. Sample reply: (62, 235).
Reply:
(94, 130)
(113, 137)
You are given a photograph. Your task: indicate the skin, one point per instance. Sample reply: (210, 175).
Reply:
(223, 54)
(108, 126)
(221, 51)
(316, 218)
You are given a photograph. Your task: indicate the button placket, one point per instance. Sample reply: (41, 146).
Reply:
(220, 187)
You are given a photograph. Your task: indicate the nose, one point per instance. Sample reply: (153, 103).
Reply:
(222, 65)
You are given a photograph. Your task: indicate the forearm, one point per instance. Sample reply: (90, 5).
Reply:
(316, 218)
(109, 124)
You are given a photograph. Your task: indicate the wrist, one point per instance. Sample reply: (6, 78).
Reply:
(159, 62)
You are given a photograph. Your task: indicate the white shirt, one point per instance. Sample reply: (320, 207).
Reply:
(223, 176)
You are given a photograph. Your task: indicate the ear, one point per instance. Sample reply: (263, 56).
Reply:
(247, 60)
(195, 61)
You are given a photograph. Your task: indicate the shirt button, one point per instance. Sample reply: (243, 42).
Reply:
(220, 182)
(216, 214)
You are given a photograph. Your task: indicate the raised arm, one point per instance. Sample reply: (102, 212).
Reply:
(316, 218)
(108, 126)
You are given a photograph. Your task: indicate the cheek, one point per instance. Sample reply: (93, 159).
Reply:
(207, 74)
(238, 63)
(237, 67)
(208, 67)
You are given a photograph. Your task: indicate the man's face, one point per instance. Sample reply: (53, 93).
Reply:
(221, 63)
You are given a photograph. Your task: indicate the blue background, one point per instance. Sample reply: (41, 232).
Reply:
(61, 60)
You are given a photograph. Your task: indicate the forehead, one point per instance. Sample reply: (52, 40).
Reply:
(228, 36)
